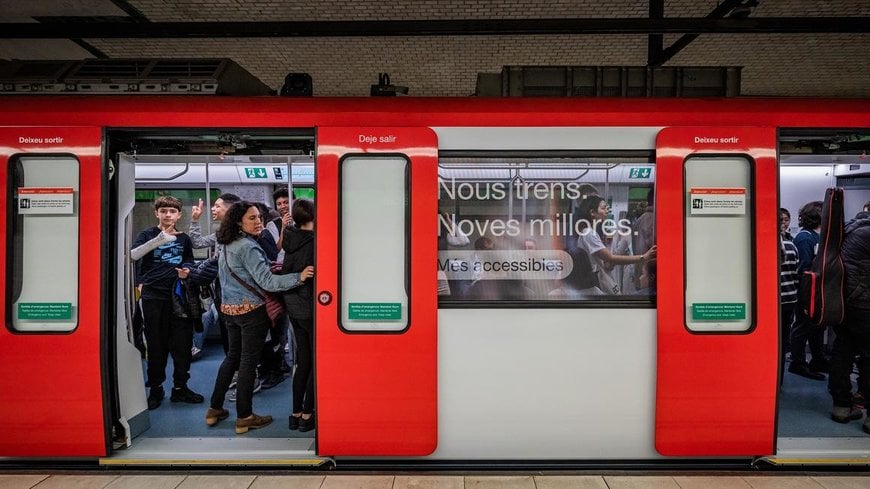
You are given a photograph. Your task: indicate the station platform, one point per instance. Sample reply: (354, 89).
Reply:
(354, 481)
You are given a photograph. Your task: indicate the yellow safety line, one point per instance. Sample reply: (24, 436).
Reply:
(818, 461)
(155, 461)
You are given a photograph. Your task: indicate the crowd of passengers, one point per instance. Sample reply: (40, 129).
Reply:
(851, 345)
(256, 258)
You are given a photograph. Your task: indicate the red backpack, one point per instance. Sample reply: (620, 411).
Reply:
(821, 287)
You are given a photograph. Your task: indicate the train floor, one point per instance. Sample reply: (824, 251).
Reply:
(805, 411)
(175, 419)
(181, 480)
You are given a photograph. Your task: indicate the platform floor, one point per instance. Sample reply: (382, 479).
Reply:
(349, 481)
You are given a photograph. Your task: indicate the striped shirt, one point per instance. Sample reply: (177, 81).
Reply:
(788, 276)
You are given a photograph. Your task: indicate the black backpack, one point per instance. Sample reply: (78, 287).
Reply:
(821, 287)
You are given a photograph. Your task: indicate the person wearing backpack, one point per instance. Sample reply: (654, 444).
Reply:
(803, 330)
(853, 335)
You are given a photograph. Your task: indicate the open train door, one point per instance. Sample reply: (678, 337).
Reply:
(718, 291)
(51, 385)
(376, 286)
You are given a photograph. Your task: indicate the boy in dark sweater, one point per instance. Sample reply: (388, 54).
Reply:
(160, 253)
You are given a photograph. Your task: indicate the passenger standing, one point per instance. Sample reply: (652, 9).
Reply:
(218, 211)
(788, 282)
(243, 264)
(593, 211)
(281, 199)
(804, 331)
(159, 252)
(298, 245)
(269, 374)
(853, 335)
(644, 230)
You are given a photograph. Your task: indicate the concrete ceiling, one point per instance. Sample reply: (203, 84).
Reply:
(774, 64)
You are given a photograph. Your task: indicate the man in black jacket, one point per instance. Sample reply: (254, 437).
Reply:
(853, 335)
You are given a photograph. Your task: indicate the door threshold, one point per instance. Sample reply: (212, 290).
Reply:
(238, 451)
(819, 451)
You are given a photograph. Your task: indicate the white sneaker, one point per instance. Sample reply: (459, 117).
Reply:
(231, 396)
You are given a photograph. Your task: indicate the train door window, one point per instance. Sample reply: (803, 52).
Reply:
(43, 254)
(718, 220)
(374, 224)
(556, 230)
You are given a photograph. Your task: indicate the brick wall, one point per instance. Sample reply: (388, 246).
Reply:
(834, 65)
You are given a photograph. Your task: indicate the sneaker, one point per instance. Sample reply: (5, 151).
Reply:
(306, 424)
(213, 416)
(183, 394)
(235, 379)
(272, 380)
(155, 397)
(253, 421)
(234, 391)
(195, 353)
(846, 414)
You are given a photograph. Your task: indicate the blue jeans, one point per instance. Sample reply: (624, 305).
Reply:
(209, 319)
(246, 334)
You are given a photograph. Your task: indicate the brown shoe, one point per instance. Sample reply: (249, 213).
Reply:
(251, 422)
(212, 416)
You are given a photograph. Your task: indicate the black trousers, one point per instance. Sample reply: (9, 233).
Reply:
(273, 350)
(303, 378)
(786, 317)
(246, 334)
(802, 332)
(853, 338)
(166, 334)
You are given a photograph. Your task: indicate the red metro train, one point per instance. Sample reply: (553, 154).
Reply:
(487, 348)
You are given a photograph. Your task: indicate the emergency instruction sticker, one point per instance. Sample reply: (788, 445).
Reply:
(375, 311)
(45, 200)
(718, 201)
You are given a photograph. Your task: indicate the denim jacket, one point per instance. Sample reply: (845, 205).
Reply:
(249, 262)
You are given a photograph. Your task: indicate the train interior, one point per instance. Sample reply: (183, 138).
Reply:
(194, 165)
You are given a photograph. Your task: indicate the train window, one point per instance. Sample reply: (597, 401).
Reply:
(718, 217)
(374, 243)
(42, 256)
(544, 230)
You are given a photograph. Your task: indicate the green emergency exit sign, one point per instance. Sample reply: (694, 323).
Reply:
(256, 172)
(639, 173)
